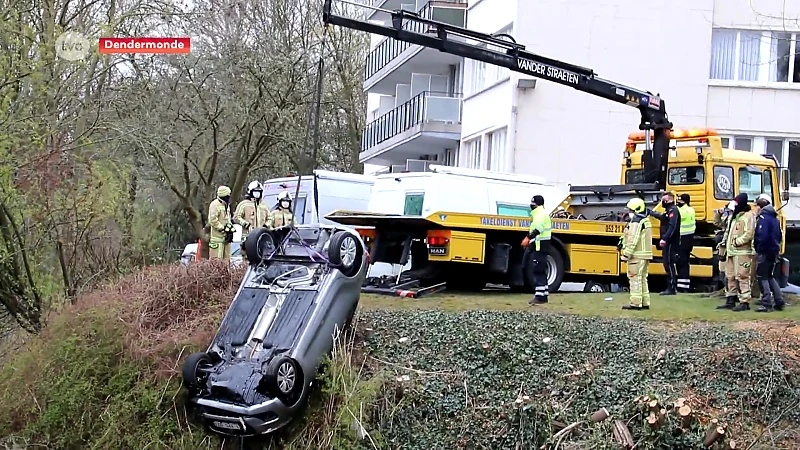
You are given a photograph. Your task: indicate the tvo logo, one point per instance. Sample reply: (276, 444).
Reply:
(73, 46)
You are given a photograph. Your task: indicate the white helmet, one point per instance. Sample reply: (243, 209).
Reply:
(284, 196)
(764, 198)
(732, 205)
(254, 190)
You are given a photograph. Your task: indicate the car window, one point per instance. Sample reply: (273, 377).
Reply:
(634, 176)
(723, 182)
(750, 181)
(413, 204)
(300, 210)
(513, 210)
(768, 183)
(686, 175)
(236, 249)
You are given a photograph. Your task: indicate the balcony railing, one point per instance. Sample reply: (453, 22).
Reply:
(424, 107)
(390, 48)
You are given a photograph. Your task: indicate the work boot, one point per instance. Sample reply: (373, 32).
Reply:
(765, 309)
(668, 292)
(537, 300)
(743, 306)
(779, 307)
(632, 307)
(730, 302)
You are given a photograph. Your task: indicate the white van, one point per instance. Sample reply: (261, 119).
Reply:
(334, 191)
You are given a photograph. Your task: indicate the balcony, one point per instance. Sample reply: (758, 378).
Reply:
(392, 61)
(427, 124)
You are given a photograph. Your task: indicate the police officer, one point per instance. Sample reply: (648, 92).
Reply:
(538, 242)
(637, 250)
(767, 244)
(251, 213)
(670, 239)
(282, 215)
(688, 225)
(219, 217)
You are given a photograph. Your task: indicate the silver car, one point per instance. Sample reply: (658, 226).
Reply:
(301, 287)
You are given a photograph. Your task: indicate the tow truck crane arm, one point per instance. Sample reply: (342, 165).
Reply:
(654, 118)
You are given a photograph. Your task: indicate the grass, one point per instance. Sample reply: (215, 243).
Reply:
(695, 307)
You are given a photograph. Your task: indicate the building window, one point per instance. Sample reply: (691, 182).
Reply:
(793, 153)
(774, 147)
(757, 56)
(451, 157)
(496, 149)
(473, 153)
(483, 75)
(738, 143)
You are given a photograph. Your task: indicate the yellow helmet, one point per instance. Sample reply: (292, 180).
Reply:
(636, 205)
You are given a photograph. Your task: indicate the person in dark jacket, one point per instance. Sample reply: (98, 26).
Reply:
(670, 240)
(767, 244)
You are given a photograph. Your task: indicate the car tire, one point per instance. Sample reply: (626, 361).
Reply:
(594, 287)
(258, 245)
(346, 252)
(555, 270)
(284, 379)
(192, 370)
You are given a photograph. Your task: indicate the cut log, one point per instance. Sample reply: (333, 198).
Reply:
(600, 415)
(685, 412)
(731, 445)
(652, 421)
(715, 435)
(622, 435)
(662, 416)
(653, 405)
(679, 403)
(712, 425)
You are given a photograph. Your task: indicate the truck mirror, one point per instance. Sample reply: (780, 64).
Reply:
(785, 184)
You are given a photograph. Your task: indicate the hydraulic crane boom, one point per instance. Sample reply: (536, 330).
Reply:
(654, 118)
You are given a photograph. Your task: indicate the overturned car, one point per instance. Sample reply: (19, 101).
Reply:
(301, 288)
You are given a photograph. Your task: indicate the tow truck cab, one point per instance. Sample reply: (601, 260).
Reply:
(713, 175)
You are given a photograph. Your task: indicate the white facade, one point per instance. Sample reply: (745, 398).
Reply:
(726, 64)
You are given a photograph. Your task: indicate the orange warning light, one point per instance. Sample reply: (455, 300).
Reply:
(679, 133)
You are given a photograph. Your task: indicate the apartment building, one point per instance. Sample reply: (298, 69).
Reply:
(733, 65)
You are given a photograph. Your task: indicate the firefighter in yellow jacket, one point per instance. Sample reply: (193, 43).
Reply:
(740, 255)
(282, 215)
(251, 213)
(219, 217)
(636, 247)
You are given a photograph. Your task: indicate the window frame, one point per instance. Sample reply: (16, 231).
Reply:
(764, 58)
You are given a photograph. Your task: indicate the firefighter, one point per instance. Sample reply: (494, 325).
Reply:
(251, 213)
(740, 255)
(637, 250)
(722, 220)
(687, 230)
(670, 239)
(219, 217)
(282, 215)
(539, 234)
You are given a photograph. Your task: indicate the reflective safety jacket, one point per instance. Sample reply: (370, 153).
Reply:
(740, 234)
(246, 213)
(219, 215)
(540, 222)
(688, 222)
(280, 217)
(637, 239)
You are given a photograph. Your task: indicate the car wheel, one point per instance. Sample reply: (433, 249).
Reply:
(284, 379)
(592, 286)
(258, 246)
(346, 252)
(195, 370)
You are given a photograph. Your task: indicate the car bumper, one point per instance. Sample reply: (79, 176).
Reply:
(237, 420)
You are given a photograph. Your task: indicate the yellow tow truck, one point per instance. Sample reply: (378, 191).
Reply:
(467, 250)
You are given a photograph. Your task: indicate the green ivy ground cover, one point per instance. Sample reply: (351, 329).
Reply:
(496, 379)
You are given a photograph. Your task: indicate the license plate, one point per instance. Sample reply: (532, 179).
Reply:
(437, 250)
(227, 425)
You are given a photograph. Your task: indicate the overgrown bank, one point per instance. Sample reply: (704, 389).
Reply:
(104, 375)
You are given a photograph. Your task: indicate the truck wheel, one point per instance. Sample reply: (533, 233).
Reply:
(555, 270)
(592, 286)
(258, 246)
(284, 379)
(346, 252)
